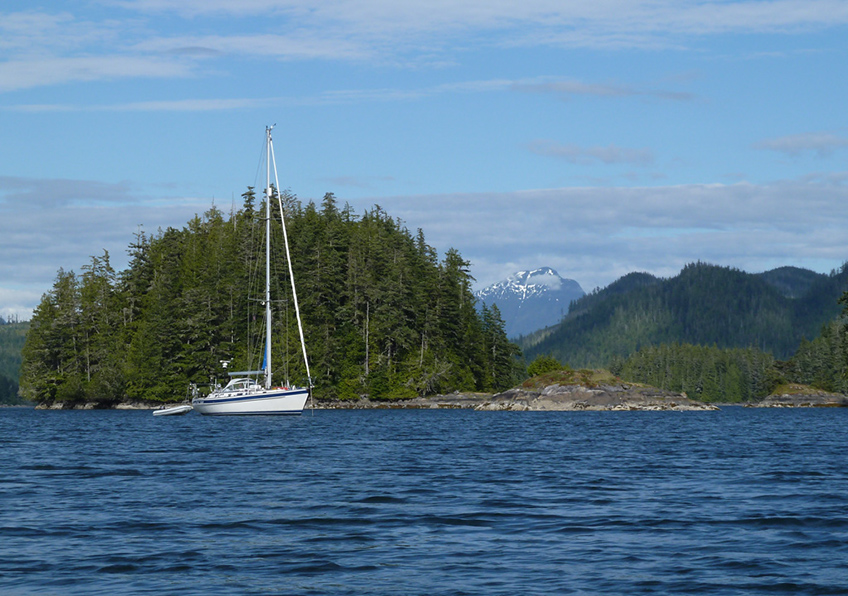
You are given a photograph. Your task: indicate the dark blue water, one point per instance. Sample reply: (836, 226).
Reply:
(741, 501)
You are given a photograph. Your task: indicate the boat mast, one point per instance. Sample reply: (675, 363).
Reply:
(291, 271)
(268, 257)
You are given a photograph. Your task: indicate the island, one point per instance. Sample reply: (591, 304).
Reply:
(565, 390)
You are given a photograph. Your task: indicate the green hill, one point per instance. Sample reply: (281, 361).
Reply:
(383, 315)
(703, 305)
(792, 282)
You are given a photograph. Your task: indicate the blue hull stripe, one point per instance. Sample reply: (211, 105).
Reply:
(268, 413)
(246, 398)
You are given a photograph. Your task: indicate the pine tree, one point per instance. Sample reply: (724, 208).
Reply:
(382, 315)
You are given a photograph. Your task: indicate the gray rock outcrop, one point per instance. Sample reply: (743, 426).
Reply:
(821, 399)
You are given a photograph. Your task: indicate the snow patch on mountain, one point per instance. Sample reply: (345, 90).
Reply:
(530, 300)
(524, 284)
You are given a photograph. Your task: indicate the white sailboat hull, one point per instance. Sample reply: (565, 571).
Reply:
(260, 402)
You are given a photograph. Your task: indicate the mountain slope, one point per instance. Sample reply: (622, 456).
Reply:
(703, 305)
(531, 300)
(792, 282)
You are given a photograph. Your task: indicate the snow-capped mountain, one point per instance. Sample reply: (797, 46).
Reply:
(530, 300)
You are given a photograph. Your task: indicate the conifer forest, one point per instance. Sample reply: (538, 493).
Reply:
(384, 316)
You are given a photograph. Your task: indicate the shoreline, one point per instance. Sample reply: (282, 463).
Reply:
(556, 397)
(621, 397)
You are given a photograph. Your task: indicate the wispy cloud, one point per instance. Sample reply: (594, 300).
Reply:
(823, 144)
(44, 48)
(56, 193)
(591, 234)
(595, 234)
(25, 74)
(565, 89)
(610, 154)
(347, 96)
(40, 49)
(75, 220)
(367, 182)
(617, 22)
(297, 46)
(38, 33)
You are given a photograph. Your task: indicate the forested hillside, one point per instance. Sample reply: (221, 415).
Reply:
(792, 282)
(822, 362)
(702, 372)
(704, 305)
(732, 375)
(12, 336)
(383, 315)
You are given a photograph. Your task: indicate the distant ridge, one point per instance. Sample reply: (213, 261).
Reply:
(703, 305)
(531, 300)
(792, 282)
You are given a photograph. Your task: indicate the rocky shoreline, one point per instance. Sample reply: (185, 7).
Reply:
(821, 399)
(615, 397)
(133, 405)
(618, 397)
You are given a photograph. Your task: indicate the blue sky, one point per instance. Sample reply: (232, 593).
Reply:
(596, 138)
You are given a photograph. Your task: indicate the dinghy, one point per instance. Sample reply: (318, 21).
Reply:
(172, 411)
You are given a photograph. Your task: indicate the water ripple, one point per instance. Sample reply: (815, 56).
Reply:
(444, 503)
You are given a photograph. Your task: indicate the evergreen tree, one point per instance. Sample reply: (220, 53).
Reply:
(703, 305)
(382, 315)
(703, 373)
(12, 338)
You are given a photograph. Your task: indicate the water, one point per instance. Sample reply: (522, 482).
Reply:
(741, 501)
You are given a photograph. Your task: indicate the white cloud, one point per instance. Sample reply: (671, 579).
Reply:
(348, 96)
(37, 33)
(595, 235)
(299, 46)
(634, 22)
(359, 181)
(43, 193)
(568, 88)
(575, 154)
(18, 303)
(36, 72)
(44, 48)
(823, 144)
(549, 280)
(47, 224)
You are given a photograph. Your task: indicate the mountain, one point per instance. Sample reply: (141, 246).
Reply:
(792, 282)
(703, 305)
(531, 300)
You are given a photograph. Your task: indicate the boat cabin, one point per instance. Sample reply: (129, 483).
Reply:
(241, 385)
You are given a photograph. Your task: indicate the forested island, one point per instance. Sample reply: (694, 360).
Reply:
(384, 317)
(388, 322)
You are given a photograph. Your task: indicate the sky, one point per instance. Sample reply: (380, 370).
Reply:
(597, 138)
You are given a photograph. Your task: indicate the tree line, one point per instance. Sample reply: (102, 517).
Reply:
(12, 337)
(729, 375)
(714, 333)
(703, 305)
(704, 373)
(384, 316)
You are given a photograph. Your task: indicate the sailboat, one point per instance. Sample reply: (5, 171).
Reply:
(244, 394)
